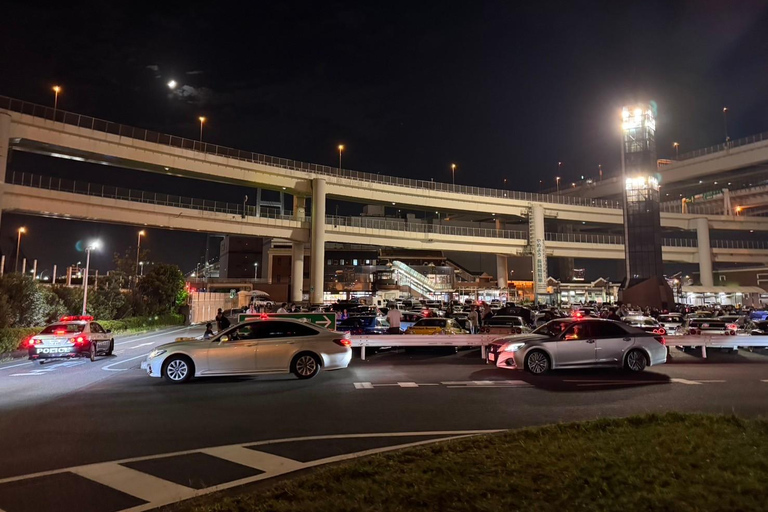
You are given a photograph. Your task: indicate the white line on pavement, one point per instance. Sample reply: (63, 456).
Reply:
(24, 374)
(15, 365)
(711, 380)
(141, 345)
(142, 485)
(110, 369)
(407, 384)
(363, 385)
(161, 333)
(253, 458)
(686, 381)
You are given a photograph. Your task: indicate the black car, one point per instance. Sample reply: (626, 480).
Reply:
(368, 324)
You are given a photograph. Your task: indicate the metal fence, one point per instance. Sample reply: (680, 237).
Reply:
(121, 130)
(140, 196)
(724, 146)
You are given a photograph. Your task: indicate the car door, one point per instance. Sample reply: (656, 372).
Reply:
(611, 341)
(278, 342)
(233, 352)
(575, 347)
(99, 336)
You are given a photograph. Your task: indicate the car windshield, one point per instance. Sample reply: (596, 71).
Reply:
(553, 328)
(63, 328)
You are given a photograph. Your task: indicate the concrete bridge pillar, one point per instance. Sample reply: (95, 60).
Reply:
(5, 153)
(317, 260)
(502, 271)
(299, 207)
(538, 247)
(705, 251)
(297, 272)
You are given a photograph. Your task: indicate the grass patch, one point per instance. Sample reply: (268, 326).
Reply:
(670, 462)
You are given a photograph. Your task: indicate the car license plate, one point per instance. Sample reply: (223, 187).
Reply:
(491, 357)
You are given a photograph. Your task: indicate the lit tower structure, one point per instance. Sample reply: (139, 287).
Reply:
(644, 284)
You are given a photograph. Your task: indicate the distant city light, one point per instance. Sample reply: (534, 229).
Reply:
(172, 84)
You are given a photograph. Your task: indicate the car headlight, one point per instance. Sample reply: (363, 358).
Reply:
(513, 347)
(155, 353)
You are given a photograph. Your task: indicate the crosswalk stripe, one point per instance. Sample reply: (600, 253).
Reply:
(147, 487)
(254, 459)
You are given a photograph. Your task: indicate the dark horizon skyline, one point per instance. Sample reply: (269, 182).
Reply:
(503, 91)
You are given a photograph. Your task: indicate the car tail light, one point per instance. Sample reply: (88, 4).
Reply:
(78, 339)
(732, 327)
(660, 330)
(31, 342)
(344, 342)
(661, 339)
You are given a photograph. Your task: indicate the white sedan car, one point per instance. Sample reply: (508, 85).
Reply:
(251, 348)
(579, 343)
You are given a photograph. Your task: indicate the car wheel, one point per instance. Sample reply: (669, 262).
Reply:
(178, 369)
(92, 352)
(111, 347)
(305, 366)
(537, 362)
(635, 361)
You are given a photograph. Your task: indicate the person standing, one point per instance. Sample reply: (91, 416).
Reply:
(282, 309)
(474, 320)
(394, 317)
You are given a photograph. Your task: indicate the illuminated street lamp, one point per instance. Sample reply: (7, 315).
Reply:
(94, 245)
(676, 145)
(725, 123)
(341, 148)
(56, 91)
(256, 270)
(202, 120)
(138, 249)
(18, 247)
(738, 212)
(557, 183)
(453, 173)
(172, 84)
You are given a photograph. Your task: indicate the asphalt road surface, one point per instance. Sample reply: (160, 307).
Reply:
(76, 412)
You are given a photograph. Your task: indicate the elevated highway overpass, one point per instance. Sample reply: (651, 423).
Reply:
(28, 127)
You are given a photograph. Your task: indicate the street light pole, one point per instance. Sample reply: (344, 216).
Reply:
(255, 271)
(138, 251)
(453, 173)
(341, 148)
(557, 183)
(93, 245)
(725, 123)
(677, 150)
(56, 91)
(18, 247)
(202, 120)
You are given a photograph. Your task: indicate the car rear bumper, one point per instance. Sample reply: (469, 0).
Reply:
(338, 360)
(57, 352)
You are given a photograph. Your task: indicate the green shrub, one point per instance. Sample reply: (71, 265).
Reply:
(12, 338)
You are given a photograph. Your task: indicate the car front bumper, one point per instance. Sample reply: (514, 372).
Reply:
(501, 358)
(153, 366)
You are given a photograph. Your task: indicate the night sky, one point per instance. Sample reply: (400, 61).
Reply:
(503, 90)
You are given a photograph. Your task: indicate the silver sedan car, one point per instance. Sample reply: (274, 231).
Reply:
(579, 343)
(251, 348)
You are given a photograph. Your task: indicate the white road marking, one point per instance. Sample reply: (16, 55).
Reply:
(363, 385)
(110, 369)
(24, 374)
(254, 459)
(686, 381)
(15, 365)
(141, 345)
(161, 333)
(764, 380)
(712, 380)
(407, 384)
(142, 485)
